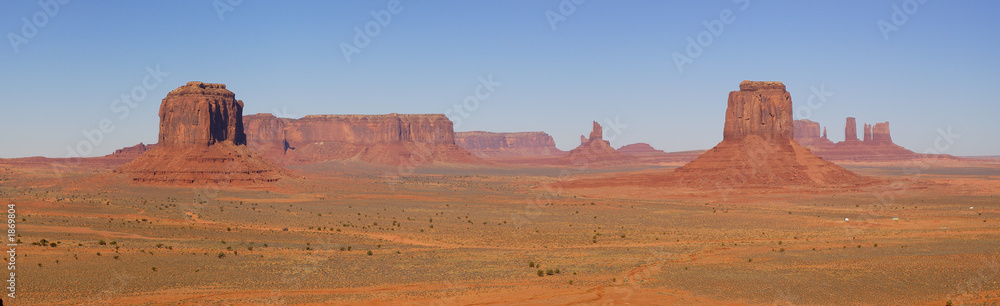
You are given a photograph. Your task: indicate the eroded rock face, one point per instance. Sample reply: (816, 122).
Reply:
(593, 149)
(876, 145)
(759, 108)
(391, 139)
(597, 132)
(201, 142)
(851, 130)
(523, 144)
(806, 128)
(880, 133)
(758, 148)
(201, 114)
(807, 134)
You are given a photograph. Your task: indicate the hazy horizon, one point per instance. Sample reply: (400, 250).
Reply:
(554, 67)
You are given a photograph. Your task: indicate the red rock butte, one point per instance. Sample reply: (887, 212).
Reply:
(758, 148)
(521, 144)
(392, 139)
(201, 141)
(876, 144)
(594, 149)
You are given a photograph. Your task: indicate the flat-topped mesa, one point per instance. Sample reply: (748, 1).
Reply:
(201, 114)
(806, 128)
(392, 139)
(761, 86)
(807, 133)
(851, 130)
(519, 144)
(372, 129)
(880, 133)
(759, 108)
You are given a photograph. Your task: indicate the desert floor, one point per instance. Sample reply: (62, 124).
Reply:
(926, 233)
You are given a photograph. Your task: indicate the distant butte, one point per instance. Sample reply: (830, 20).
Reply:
(876, 144)
(522, 144)
(594, 149)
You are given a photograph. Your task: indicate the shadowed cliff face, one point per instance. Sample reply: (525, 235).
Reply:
(759, 108)
(201, 114)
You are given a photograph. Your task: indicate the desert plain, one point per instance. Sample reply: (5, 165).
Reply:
(924, 232)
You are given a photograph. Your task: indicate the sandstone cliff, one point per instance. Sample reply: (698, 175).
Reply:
(880, 133)
(851, 130)
(763, 109)
(393, 139)
(876, 145)
(523, 144)
(201, 142)
(807, 134)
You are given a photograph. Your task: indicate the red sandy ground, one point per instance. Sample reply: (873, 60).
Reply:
(922, 232)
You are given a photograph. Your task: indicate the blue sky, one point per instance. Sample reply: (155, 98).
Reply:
(606, 61)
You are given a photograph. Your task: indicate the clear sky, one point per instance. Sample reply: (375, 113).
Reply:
(935, 68)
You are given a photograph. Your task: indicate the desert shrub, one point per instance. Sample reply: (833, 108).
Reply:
(221, 255)
(369, 252)
(102, 242)
(541, 273)
(549, 272)
(531, 264)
